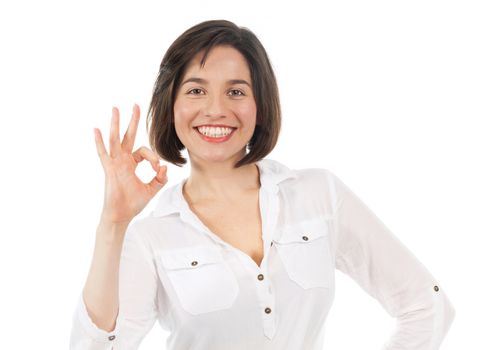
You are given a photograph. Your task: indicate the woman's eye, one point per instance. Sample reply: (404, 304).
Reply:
(193, 90)
(197, 91)
(240, 93)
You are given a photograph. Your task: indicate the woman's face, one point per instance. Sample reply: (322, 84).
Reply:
(218, 99)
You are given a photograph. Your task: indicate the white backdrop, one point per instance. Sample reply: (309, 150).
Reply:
(383, 93)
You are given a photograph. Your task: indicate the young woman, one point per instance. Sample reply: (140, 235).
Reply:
(242, 253)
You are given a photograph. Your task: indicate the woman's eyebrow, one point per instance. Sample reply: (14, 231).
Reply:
(204, 81)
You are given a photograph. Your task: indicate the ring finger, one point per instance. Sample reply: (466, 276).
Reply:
(115, 146)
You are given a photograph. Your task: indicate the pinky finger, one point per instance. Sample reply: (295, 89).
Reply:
(100, 146)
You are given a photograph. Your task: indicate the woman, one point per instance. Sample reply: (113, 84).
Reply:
(242, 253)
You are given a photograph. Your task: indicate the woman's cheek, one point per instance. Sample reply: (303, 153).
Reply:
(248, 112)
(185, 108)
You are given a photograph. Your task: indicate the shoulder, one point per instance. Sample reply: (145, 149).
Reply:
(311, 177)
(312, 184)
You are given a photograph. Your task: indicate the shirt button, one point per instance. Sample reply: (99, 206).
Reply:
(260, 277)
(267, 310)
(305, 238)
(436, 288)
(111, 337)
(194, 263)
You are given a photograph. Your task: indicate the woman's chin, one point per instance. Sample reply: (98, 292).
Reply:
(218, 158)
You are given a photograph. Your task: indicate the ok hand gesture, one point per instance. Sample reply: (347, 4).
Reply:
(125, 194)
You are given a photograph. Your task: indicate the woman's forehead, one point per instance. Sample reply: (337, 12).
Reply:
(225, 62)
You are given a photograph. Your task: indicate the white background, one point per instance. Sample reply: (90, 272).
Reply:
(383, 93)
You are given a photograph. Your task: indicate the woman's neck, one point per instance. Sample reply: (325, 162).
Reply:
(221, 182)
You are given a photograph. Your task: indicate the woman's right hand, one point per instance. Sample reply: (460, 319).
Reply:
(125, 194)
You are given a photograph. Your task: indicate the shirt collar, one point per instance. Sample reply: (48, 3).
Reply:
(271, 173)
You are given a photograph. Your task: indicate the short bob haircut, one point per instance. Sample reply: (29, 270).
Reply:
(204, 36)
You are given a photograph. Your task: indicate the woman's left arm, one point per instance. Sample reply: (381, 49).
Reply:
(377, 260)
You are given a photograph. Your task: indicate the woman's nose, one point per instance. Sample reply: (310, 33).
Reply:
(215, 107)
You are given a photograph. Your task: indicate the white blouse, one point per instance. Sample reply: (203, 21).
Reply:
(209, 295)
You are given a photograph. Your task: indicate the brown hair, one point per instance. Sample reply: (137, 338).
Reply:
(204, 36)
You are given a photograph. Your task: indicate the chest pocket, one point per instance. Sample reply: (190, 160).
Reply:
(304, 249)
(201, 279)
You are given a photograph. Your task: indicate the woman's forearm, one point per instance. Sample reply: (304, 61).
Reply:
(100, 292)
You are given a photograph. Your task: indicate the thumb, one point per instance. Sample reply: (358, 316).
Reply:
(159, 180)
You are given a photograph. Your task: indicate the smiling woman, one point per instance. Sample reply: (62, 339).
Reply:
(220, 70)
(216, 123)
(241, 254)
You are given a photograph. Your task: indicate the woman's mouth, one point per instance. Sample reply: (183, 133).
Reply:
(215, 134)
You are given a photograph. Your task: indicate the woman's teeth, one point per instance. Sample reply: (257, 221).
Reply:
(214, 132)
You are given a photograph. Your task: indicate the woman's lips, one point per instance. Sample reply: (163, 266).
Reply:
(215, 139)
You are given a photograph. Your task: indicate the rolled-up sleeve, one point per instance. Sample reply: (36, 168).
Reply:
(368, 252)
(137, 303)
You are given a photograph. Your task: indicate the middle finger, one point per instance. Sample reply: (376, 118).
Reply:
(130, 134)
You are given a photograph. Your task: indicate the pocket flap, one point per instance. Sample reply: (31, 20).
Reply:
(190, 258)
(303, 231)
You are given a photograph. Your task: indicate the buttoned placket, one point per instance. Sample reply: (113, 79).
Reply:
(269, 207)
(269, 210)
